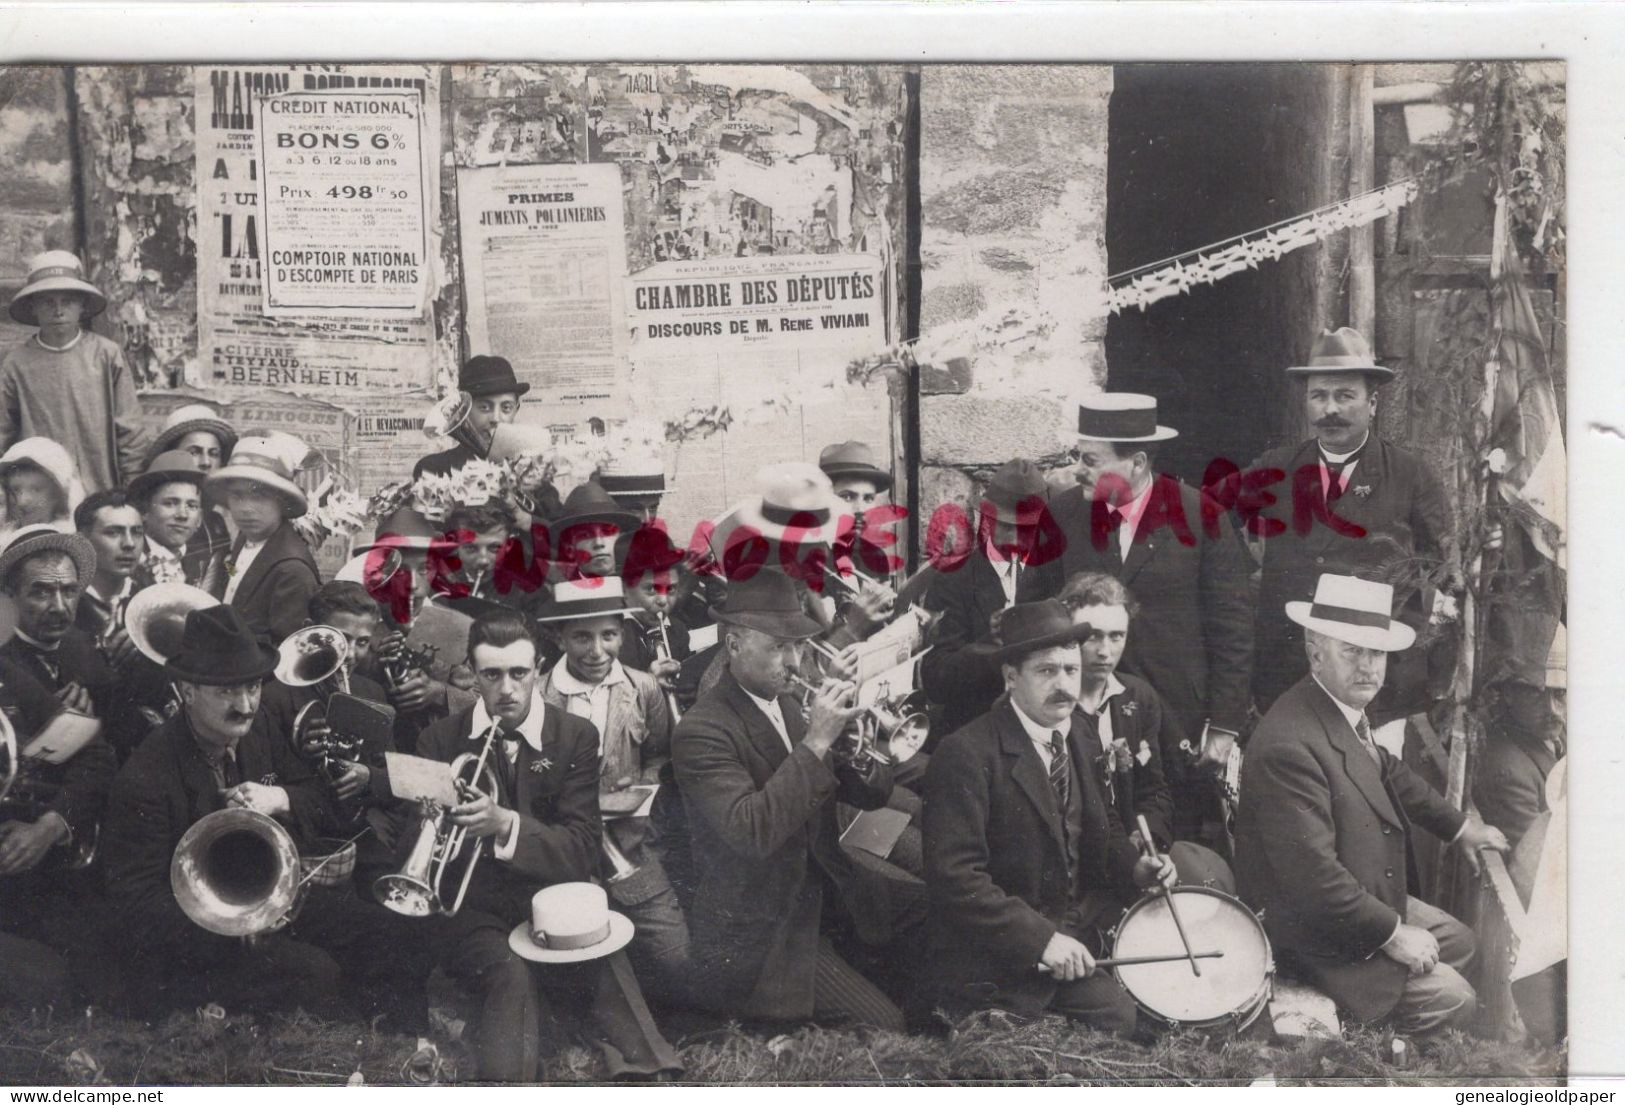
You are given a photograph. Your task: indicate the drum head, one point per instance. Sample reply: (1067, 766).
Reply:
(1230, 986)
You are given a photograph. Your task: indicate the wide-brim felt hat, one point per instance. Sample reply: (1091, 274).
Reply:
(55, 270)
(1342, 350)
(1017, 491)
(1122, 416)
(190, 419)
(522, 944)
(1029, 627)
(487, 375)
(1355, 611)
(219, 650)
(171, 467)
(769, 602)
(590, 504)
(259, 460)
(853, 458)
(405, 528)
(45, 537)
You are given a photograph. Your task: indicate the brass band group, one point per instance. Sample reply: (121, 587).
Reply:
(1127, 754)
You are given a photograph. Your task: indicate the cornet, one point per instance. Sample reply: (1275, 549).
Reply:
(888, 731)
(397, 659)
(443, 854)
(663, 652)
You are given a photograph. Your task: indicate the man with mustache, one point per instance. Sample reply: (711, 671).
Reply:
(1323, 846)
(45, 576)
(340, 956)
(1026, 860)
(1372, 508)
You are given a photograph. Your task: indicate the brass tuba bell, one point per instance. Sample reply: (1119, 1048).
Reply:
(236, 873)
(156, 618)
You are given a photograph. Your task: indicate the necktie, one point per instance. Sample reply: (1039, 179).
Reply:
(48, 661)
(1334, 486)
(1125, 533)
(1060, 771)
(1362, 729)
(508, 757)
(230, 776)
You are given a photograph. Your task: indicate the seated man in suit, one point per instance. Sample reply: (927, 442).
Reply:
(44, 572)
(541, 828)
(339, 956)
(773, 893)
(48, 831)
(970, 590)
(271, 573)
(1323, 833)
(1526, 740)
(1024, 856)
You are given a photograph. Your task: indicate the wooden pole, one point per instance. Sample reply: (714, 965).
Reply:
(1362, 174)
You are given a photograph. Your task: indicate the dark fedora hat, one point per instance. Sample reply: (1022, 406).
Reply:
(219, 650)
(1029, 627)
(590, 503)
(405, 528)
(853, 458)
(1342, 350)
(488, 375)
(1018, 491)
(770, 602)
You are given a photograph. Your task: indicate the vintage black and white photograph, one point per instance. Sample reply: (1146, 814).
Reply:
(825, 573)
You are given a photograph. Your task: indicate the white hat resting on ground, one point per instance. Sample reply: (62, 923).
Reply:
(570, 922)
(1357, 611)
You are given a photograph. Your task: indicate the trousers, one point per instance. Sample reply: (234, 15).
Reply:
(1441, 998)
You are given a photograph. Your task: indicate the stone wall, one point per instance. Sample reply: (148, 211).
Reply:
(36, 176)
(1012, 241)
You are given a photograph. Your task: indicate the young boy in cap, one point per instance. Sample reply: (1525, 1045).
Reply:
(198, 432)
(272, 573)
(66, 383)
(490, 383)
(169, 495)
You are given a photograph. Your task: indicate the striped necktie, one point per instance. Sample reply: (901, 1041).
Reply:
(1060, 771)
(1362, 729)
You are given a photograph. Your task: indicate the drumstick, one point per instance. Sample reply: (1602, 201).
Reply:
(1173, 911)
(1132, 960)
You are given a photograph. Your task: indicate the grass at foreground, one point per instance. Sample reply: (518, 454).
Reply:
(299, 1050)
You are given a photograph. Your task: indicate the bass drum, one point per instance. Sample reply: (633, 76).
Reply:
(1231, 991)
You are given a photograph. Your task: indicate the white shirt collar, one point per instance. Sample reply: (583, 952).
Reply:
(566, 683)
(1339, 458)
(769, 706)
(40, 645)
(1038, 733)
(530, 729)
(123, 592)
(1343, 708)
(1114, 687)
(161, 551)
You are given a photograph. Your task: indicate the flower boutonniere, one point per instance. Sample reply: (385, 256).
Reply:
(1362, 491)
(1129, 707)
(1144, 754)
(230, 566)
(541, 765)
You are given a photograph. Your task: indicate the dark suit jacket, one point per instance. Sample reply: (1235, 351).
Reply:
(272, 596)
(1510, 786)
(1404, 513)
(995, 858)
(163, 789)
(763, 842)
(1139, 716)
(557, 799)
(79, 661)
(1193, 637)
(953, 674)
(1322, 847)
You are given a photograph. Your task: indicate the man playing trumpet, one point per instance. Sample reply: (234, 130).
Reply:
(541, 827)
(217, 753)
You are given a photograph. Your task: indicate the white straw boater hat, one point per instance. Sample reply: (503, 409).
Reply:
(637, 472)
(584, 598)
(193, 416)
(270, 461)
(792, 492)
(570, 922)
(55, 270)
(1357, 611)
(1121, 416)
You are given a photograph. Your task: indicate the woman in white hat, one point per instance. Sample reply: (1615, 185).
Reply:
(68, 384)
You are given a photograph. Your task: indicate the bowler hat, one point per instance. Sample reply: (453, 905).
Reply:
(1029, 627)
(770, 602)
(1355, 611)
(219, 650)
(55, 270)
(1342, 350)
(488, 375)
(853, 458)
(1017, 490)
(174, 466)
(405, 528)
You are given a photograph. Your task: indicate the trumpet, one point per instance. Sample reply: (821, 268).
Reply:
(442, 855)
(24, 796)
(888, 731)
